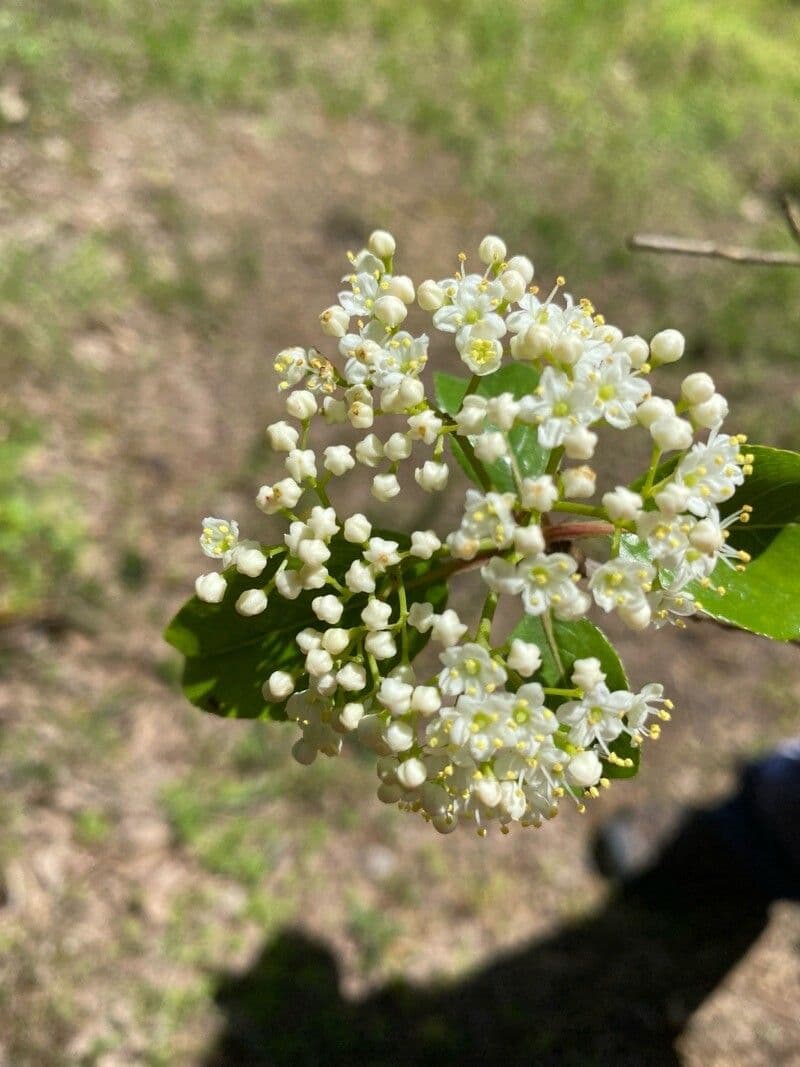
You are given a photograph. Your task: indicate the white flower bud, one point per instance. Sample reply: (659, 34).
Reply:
(351, 715)
(587, 673)
(430, 296)
(637, 616)
(425, 427)
(567, 350)
(523, 265)
(447, 628)
(412, 773)
(410, 393)
(282, 437)
(381, 244)
(399, 736)
(490, 445)
(655, 407)
(579, 482)
(359, 578)
(313, 576)
(667, 347)
(352, 677)
(318, 662)
(672, 499)
(426, 699)
(622, 504)
(369, 451)
(529, 540)
(385, 487)
(584, 770)
(338, 459)
(432, 476)
(711, 413)
(380, 644)
(301, 404)
(289, 584)
(210, 588)
(397, 448)
(251, 602)
(698, 387)
(514, 285)
(335, 640)
(334, 321)
(488, 792)
(322, 522)
(301, 463)
(540, 493)
(472, 415)
(390, 310)
(421, 616)
(327, 608)
(357, 529)
(284, 494)
(492, 250)
(304, 752)
(401, 286)
(671, 433)
(533, 343)
(308, 639)
(706, 537)
(395, 695)
(360, 415)
(637, 349)
(580, 443)
(524, 658)
(313, 552)
(250, 561)
(278, 686)
(424, 543)
(502, 410)
(376, 614)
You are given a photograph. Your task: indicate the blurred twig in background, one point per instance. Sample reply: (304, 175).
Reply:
(686, 246)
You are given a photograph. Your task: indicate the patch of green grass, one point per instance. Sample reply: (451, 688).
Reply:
(40, 532)
(92, 827)
(373, 931)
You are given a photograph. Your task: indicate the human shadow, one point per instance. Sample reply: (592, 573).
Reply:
(615, 988)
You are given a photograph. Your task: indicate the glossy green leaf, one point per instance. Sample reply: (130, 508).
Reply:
(578, 639)
(773, 492)
(228, 657)
(520, 379)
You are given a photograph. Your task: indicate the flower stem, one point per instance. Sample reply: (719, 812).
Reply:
(655, 456)
(547, 625)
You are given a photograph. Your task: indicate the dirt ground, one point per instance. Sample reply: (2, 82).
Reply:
(153, 858)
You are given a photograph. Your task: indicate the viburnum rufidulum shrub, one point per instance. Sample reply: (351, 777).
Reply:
(324, 628)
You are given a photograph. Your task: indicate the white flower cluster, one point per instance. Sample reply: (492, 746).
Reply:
(480, 740)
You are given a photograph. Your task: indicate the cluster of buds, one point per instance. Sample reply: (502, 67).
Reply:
(481, 739)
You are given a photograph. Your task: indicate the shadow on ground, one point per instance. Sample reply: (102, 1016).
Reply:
(618, 987)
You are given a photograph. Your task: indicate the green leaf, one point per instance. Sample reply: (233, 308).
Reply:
(578, 639)
(773, 492)
(228, 657)
(520, 379)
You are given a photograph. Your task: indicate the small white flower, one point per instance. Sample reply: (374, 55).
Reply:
(524, 658)
(547, 583)
(557, 406)
(385, 487)
(283, 494)
(671, 433)
(382, 554)
(672, 499)
(421, 616)
(529, 540)
(426, 699)
(472, 415)
(334, 321)
(357, 529)
(395, 695)
(430, 295)
(382, 244)
(469, 669)
(210, 588)
(219, 537)
(292, 364)
(282, 436)
(580, 443)
(425, 427)
(711, 413)
(424, 543)
(502, 410)
(622, 585)
(338, 459)
(479, 349)
(711, 472)
(587, 673)
(401, 286)
(380, 644)
(584, 770)
(655, 407)
(251, 602)
(390, 310)
(501, 576)
(492, 250)
(327, 608)
(432, 476)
